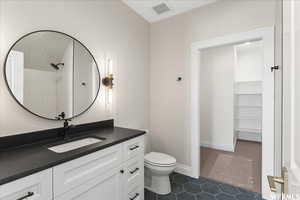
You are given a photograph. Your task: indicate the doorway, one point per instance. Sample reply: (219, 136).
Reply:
(240, 129)
(231, 114)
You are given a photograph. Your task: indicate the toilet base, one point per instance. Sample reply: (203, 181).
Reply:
(158, 184)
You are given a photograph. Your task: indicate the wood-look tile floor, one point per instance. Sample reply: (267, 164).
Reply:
(241, 168)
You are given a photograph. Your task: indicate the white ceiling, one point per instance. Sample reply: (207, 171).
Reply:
(145, 7)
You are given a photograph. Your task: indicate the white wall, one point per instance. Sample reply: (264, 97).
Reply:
(40, 98)
(64, 83)
(83, 67)
(291, 94)
(170, 58)
(296, 113)
(297, 85)
(216, 98)
(105, 27)
(249, 61)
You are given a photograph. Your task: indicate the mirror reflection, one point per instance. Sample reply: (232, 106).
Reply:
(52, 75)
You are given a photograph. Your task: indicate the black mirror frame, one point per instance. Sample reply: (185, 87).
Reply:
(11, 93)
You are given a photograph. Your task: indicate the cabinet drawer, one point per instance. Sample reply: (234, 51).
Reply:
(136, 193)
(134, 172)
(133, 148)
(77, 172)
(35, 187)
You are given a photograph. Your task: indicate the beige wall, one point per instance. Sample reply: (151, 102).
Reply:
(106, 28)
(169, 58)
(110, 28)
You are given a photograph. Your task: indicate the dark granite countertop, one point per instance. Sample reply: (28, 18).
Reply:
(30, 158)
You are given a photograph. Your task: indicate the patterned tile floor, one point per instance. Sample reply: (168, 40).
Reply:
(186, 188)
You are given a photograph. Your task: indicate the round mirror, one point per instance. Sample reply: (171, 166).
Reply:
(52, 75)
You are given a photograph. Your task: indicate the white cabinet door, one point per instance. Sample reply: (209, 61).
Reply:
(80, 171)
(105, 187)
(34, 187)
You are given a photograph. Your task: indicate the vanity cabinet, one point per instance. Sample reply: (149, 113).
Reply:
(114, 173)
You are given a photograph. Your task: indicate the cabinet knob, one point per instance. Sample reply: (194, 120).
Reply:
(122, 171)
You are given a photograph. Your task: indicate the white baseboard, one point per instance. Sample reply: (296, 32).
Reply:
(234, 144)
(235, 138)
(183, 169)
(217, 146)
(249, 136)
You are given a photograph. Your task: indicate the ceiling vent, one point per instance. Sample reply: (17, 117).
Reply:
(161, 8)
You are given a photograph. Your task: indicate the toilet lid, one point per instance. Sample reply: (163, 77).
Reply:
(159, 159)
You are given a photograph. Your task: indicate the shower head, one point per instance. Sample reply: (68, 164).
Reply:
(55, 66)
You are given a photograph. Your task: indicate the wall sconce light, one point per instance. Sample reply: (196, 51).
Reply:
(108, 81)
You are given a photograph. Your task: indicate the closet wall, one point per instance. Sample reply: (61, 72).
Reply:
(216, 98)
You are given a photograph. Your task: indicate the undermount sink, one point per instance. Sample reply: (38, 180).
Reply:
(61, 148)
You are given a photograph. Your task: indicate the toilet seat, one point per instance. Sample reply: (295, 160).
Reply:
(160, 159)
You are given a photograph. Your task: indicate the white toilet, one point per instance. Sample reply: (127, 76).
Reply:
(158, 167)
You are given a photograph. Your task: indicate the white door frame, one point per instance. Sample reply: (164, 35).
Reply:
(267, 36)
(290, 149)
